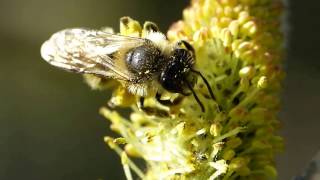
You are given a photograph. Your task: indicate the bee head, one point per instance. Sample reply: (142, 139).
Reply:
(176, 76)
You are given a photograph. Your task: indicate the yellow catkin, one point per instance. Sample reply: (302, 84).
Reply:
(238, 48)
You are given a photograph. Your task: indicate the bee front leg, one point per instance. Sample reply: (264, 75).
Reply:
(187, 46)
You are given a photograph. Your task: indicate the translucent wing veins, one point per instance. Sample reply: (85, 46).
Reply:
(89, 51)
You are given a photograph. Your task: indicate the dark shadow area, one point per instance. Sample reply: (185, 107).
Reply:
(301, 93)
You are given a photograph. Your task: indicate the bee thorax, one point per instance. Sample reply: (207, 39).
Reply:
(143, 61)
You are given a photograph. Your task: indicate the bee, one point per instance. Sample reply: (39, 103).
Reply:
(145, 66)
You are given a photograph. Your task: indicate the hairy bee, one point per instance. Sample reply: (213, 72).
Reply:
(144, 65)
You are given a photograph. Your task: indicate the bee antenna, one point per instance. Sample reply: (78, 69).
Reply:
(195, 95)
(206, 82)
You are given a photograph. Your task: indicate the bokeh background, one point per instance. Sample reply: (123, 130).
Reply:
(49, 122)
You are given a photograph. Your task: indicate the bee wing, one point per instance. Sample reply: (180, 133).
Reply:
(89, 51)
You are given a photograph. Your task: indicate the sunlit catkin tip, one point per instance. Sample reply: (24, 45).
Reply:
(215, 129)
(109, 141)
(131, 151)
(247, 72)
(220, 166)
(262, 82)
(234, 28)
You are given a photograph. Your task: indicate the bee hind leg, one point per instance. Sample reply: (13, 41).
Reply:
(151, 110)
(141, 103)
(176, 101)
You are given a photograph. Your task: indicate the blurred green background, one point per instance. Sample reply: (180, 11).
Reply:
(49, 122)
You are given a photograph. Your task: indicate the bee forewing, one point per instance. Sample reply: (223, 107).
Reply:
(89, 51)
(46, 51)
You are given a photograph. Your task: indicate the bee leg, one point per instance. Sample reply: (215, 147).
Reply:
(141, 103)
(187, 46)
(168, 102)
(151, 110)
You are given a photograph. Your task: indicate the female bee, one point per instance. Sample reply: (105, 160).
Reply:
(143, 65)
